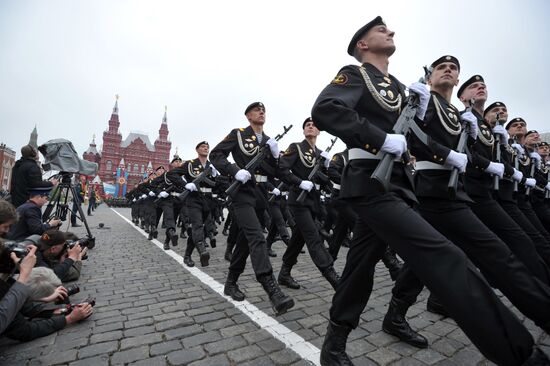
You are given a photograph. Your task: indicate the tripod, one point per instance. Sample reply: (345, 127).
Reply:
(58, 206)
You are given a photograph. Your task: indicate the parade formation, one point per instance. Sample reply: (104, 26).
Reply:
(452, 198)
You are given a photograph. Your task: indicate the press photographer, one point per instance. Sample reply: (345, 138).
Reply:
(55, 253)
(30, 216)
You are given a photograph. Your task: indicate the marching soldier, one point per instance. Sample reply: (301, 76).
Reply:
(294, 167)
(249, 202)
(197, 202)
(361, 106)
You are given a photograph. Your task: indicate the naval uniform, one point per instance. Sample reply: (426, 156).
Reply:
(361, 106)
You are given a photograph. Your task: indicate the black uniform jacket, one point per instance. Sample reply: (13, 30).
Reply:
(243, 146)
(442, 123)
(361, 106)
(295, 166)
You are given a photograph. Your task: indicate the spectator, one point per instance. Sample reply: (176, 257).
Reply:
(8, 217)
(91, 202)
(26, 175)
(30, 216)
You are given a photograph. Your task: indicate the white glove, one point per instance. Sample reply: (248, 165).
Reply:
(517, 176)
(191, 187)
(423, 97)
(327, 158)
(458, 160)
(394, 144)
(530, 182)
(143, 196)
(472, 122)
(243, 176)
(276, 192)
(134, 200)
(152, 194)
(520, 150)
(548, 163)
(547, 187)
(215, 173)
(163, 194)
(306, 185)
(536, 156)
(499, 130)
(495, 168)
(274, 147)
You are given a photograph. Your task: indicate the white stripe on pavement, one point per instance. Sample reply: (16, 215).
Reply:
(292, 340)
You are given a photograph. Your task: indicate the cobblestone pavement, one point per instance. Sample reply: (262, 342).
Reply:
(151, 311)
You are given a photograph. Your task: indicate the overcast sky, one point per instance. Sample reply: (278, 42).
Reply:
(62, 62)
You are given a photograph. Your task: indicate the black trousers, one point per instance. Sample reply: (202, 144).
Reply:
(388, 220)
(527, 208)
(543, 212)
(344, 222)
(542, 245)
(251, 240)
(278, 225)
(499, 222)
(306, 231)
(150, 211)
(167, 207)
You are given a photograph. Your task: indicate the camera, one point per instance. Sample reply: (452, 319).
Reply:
(73, 289)
(8, 247)
(83, 242)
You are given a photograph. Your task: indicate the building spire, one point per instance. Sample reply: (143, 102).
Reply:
(115, 108)
(165, 118)
(33, 140)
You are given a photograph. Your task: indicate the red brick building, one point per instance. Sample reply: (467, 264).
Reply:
(7, 161)
(136, 152)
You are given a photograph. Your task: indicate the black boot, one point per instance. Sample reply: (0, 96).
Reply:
(285, 279)
(434, 306)
(280, 302)
(224, 232)
(182, 234)
(188, 261)
(229, 251)
(333, 351)
(331, 276)
(173, 237)
(154, 231)
(395, 324)
(150, 231)
(270, 251)
(167, 243)
(391, 262)
(203, 253)
(231, 288)
(212, 240)
(537, 358)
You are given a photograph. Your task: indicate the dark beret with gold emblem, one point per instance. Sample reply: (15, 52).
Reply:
(530, 132)
(176, 158)
(544, 143)
(159, 168)
(494, 105)
(309, 119)
(514, 120)
(201, 143)
(254, 105)
(446, 58)
(470, 81)
(361, 32)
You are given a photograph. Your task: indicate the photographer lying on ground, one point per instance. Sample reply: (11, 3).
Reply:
(26, 321)
(54, 252)
(30, 216)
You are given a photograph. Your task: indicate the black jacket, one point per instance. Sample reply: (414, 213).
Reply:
(29, 223)
(26, 174)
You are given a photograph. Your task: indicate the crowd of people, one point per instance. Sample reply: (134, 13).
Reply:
(461, 196)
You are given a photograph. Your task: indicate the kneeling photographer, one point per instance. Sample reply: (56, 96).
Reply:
(63, 257)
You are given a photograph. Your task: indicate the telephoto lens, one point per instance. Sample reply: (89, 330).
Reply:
(73, 289)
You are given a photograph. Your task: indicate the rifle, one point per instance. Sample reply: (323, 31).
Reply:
(547, 193)
(255, 162)
(461, 147)
(272, 198)
(516, 162)
(384, 169)
(498, 154)
(202, 177)
(302, 196)
(533, 163)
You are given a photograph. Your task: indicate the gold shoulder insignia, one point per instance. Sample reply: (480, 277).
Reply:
(241, 129)
(340, 79)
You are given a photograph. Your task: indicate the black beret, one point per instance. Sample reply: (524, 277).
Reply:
(530, 132)
(494, 105)
(309, 119)
(542, 144)
(514, 120)
(201, 143)
(470, 81)
(446, 58)
(176, 158)
(159, 168)
(361, 32)
(39, 191)
(254, 105)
